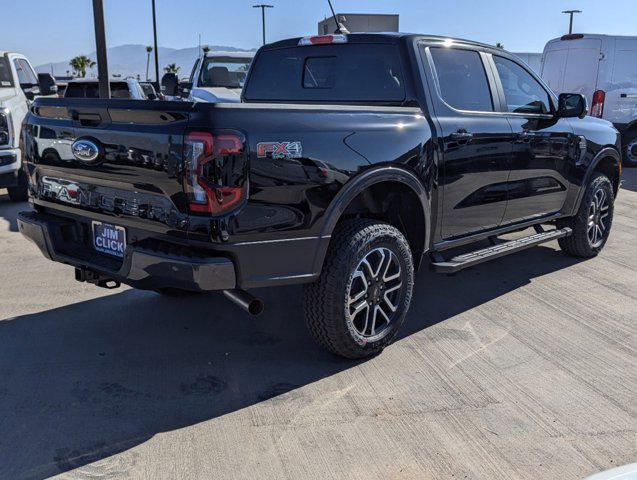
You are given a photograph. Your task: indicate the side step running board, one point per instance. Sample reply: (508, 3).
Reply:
(470, 259)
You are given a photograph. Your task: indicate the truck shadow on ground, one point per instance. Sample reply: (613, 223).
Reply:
(86, 381)
(9, 210)
(629, 178)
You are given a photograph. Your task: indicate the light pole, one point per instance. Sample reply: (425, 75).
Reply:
(570, 23)
(156, 52)
(263, 7)
(100, 47)
(148, 50)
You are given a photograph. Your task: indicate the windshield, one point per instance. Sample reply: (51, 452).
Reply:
(6, 79)
(225, 72)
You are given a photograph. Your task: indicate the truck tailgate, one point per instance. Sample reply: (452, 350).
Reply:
(136, 179)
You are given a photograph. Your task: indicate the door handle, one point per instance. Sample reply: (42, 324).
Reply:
(461, 135)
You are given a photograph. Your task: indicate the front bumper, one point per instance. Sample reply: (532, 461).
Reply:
(144, 267)
(9, 167)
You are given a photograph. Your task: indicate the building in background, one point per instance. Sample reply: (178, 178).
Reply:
(360, 22)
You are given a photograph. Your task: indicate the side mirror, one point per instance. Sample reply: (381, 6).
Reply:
(47, 84)
(169, 84)
(571, 105)
(184, 89)
(30, 90)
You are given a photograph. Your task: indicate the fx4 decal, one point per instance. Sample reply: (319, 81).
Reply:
(279, 150)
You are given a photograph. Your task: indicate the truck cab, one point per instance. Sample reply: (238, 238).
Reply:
(219, 77)
(18, 86)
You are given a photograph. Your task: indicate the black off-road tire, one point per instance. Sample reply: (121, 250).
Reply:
(629, 145)
(578, 244)
(19, 193)
(326, 300)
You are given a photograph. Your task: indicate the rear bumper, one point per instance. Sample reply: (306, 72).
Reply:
(142, 267)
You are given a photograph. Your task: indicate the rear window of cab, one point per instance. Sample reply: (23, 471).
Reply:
(357, 73)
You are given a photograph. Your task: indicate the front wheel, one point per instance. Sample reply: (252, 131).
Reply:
(630, 148)
(361, 298)
(19, 193)
(591, 225)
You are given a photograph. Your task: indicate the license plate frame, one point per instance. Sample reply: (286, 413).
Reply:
(108, 239)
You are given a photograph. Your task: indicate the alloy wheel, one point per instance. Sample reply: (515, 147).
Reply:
(598, 218)
(374, 294)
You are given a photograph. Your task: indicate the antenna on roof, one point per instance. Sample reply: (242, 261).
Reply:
(340, 28)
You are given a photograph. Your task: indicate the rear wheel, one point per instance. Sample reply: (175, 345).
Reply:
(361, 298)
(591, 226)
(630, 148)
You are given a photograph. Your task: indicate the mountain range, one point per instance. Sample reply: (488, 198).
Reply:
(127, 60)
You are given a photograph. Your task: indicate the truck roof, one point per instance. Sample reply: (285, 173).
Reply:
(382, 37)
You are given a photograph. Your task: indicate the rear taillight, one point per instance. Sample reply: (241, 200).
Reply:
(597, 109)
(215, 172)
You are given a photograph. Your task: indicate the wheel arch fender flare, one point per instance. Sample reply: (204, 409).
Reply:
(605, 152)
(362, 182)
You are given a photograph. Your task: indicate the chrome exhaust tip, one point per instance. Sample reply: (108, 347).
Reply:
(248, 302)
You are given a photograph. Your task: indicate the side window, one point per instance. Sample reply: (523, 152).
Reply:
(26, 75)
(192, 73)
(522, 93)
(462, 79)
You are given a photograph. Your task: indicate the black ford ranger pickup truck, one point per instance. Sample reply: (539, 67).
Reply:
(349, 159)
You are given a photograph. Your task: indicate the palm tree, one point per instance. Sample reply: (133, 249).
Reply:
(499, 45)
(205, 49)
(172, 68)
(80, 64)
(148, 50)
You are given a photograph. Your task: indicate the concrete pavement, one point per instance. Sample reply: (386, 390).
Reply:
(523, 368)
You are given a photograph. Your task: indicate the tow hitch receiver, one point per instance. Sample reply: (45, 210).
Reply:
(89, 276)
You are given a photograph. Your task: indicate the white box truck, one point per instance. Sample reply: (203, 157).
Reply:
(604, 69)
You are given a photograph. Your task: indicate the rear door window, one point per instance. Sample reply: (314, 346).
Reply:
(369, 73)
(462, 79)
(522, 92)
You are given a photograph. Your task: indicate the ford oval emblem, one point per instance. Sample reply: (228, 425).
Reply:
(86, 151)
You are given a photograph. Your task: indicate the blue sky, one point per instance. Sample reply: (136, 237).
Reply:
(48, 34)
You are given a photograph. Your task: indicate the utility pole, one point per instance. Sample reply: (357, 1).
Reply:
(263, 7)
(570, 23)
(100, 47)
(157, 86)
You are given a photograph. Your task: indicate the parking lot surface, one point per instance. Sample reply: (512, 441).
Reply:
(521, 368)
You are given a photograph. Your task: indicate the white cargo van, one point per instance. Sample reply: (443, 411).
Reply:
(604, 68)
(533, 60)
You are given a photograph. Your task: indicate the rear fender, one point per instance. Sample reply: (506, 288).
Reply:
(360, 183)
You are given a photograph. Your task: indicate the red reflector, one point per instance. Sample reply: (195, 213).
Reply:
(597, 109)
